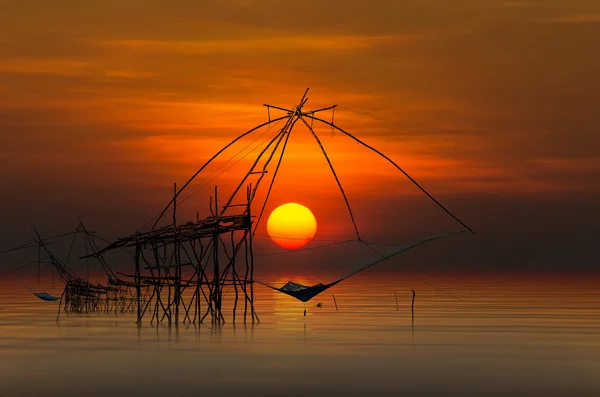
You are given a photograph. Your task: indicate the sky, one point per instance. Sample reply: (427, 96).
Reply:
(490, 105)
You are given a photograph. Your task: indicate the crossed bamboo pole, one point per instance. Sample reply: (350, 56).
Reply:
(169, 274)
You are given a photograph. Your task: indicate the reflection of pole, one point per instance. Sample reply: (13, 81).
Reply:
(334, 301)
(396, 295)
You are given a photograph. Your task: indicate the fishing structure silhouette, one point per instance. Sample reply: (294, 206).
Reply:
(206, 256)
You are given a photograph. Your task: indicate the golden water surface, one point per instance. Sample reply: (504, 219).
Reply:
(482, 336)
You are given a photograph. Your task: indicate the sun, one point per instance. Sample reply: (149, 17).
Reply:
(291, 226)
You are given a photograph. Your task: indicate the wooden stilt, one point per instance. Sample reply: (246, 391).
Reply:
(413, 309)
(138, 281)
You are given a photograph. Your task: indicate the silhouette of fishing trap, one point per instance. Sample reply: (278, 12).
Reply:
(182, 271)
(79, 295)
(216, 252)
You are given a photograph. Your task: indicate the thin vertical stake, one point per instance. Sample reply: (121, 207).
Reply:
(39, 260)
(87, 261)
(413, 310)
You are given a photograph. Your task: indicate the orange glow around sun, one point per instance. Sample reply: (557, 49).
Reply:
(291, 226)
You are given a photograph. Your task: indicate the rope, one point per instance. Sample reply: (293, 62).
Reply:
(423, 281)
(71, 247)
(206, 179)
(20, 267)
(306, 249)
(405, 248)
(334, 175)
(289, 133)
(395, 165)
(209, 161)
(439, 289)
(35, 244)
(240, 159)
(10, 273)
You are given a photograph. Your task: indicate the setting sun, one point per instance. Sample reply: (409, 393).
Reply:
(291, 226)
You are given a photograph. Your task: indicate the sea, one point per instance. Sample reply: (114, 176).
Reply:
(465, 336)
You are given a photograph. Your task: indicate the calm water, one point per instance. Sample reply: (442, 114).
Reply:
(503, 339)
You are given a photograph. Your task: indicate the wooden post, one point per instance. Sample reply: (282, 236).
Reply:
(246, 270)
(137, 284)
(87, 261)
(174, 204)
(177, 258)
(39, 261)
(234, 273)
(158, 285)
(252, 311)
(198, 281)
(335, 302)
(413, 309)
(216, 268)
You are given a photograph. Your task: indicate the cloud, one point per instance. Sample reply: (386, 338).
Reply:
(44, 66)
(266, 44)
(522, 4)
(573, 19)
(129, 74)
(572, 164)
(66, 67)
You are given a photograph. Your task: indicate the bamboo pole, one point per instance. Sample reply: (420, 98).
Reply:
(198, 286)
(177, 280)
(337, 180)
(87, 261)
(277, 138)
(137, 284)
(39, 262)
(272, 179)
(235, 287)
(413, 309)
(252, 311)
(286, 133)
(395, 165)
(245, 284)
(211, 159)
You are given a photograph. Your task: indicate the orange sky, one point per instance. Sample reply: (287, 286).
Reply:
(103, 105)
